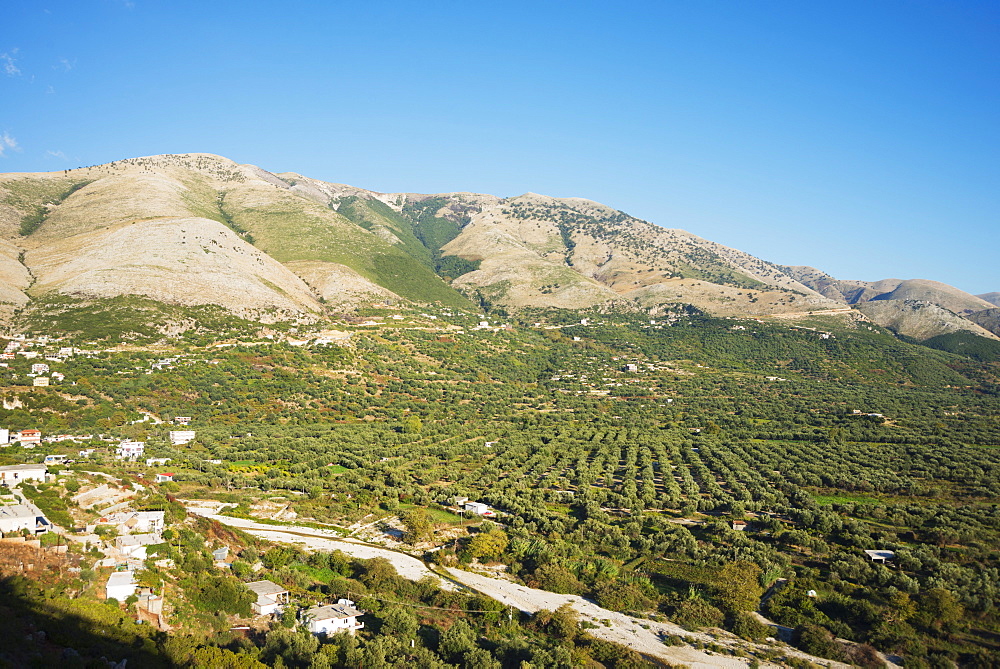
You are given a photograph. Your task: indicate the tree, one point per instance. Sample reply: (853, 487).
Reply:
(418, 525)
(489, 544)
(738, 586)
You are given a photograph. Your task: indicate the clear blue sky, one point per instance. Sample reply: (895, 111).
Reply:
(857, 137)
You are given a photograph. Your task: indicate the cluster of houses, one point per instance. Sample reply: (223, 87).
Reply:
(320, 620)
(22, 516)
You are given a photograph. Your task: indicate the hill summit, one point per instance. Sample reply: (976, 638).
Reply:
(181, 232)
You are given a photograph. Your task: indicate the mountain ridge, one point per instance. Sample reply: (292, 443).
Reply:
(197, 229)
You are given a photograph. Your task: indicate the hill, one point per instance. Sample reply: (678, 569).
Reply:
(191, 231)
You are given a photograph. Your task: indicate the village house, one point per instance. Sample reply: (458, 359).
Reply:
(882, 556)
(181, 437)
(17, 517)
(11, 475)
(128, 522)
(164, 478)
(121, 585)
(40, 381)
(182, 420)
(55, 459)
(134, 545)
(326, 620)
(739, 525)
(271, 597)
(478, 508)
(152, 462)
(130, 450)
(29, 438)
(4, 437)
(39, 368)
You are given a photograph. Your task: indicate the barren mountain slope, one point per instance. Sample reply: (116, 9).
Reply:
(574, 252)
(918, 319)
(200, 229)
(992, 298)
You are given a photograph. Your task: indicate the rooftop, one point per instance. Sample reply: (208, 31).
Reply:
(266, 588)
(333, 612)
(121, 578)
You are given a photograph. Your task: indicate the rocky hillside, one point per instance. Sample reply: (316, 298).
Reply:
(914, 307)
(197, 229)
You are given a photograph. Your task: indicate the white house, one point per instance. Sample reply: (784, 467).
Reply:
(17, 517)
(333, 618)
(135, 521)
(180, 437)
(271, 597)
(29, 438)
(130, 450)
(55, 459)
(478, 508)
(152, 462)
(881, 555)
(134, 545)
(164, 478)
(121, 585)
(4, 437)
(13, 474)
(182, 420)
(40, 381)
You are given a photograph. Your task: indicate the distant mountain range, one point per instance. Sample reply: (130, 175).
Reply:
(198, 229)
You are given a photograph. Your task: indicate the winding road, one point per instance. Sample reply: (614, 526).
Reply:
(639, 634)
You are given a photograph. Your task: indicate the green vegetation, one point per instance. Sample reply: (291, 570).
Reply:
(51, 194)
(966, 343)
(615, 482)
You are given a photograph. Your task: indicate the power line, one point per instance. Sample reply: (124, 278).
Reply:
(422, 606)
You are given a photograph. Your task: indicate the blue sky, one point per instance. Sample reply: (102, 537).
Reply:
(857, 137)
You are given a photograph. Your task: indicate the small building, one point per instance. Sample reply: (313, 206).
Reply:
(326, 620)
(739, 525)
(221, 554)
(182, 420)
(12, 475)
(40, 381)
(130, 450)
(55, 459)
(29, 438)
(17, 517)
(135, 521)
(478, 508)
(4, 437)
(271, 597)
(121, 585)
(882, 556)
(152, 462)
(39, 368)
(134, 545)
(164, 478)
(181, 437)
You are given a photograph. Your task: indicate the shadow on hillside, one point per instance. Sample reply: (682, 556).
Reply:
(43, 629)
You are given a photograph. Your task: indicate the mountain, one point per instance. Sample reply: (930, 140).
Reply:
(186, 231)
(992, 298)
(915, 307)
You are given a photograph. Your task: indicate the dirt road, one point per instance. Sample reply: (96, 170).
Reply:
(639, 634)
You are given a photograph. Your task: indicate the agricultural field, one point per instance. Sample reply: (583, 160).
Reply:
(699, 470)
